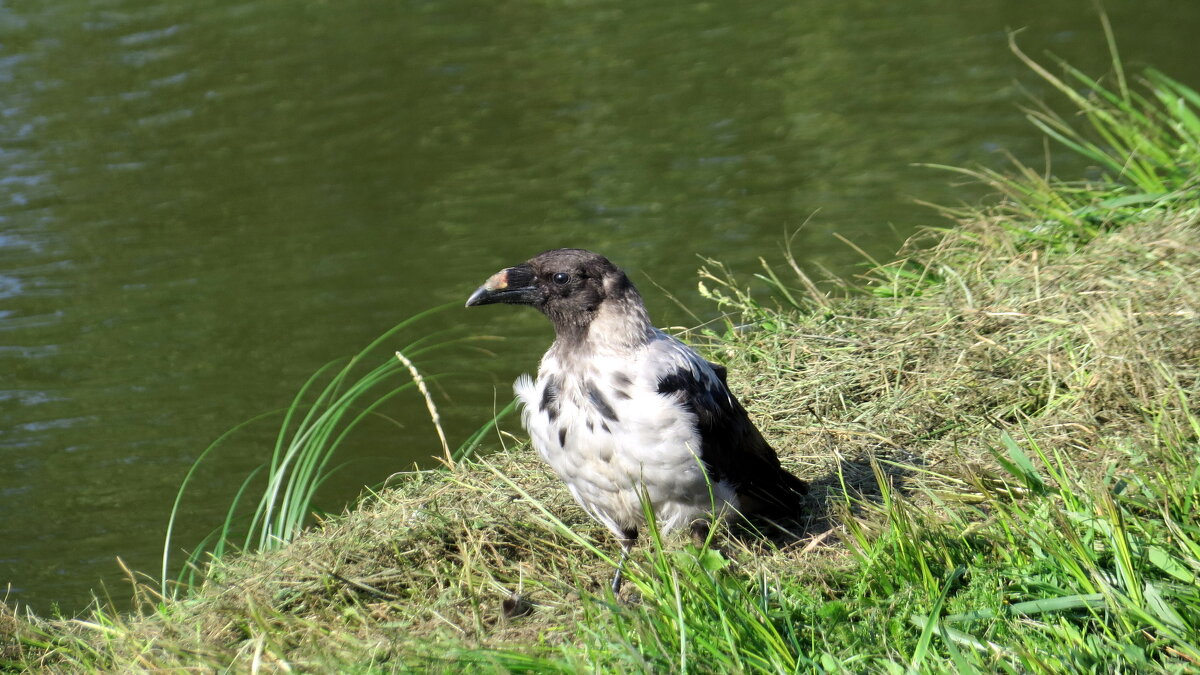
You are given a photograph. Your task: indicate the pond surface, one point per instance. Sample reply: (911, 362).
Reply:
(203, 203)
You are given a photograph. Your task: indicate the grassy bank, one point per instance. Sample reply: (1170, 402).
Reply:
(999, 426)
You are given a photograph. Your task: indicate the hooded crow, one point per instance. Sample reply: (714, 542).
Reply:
(624, 412)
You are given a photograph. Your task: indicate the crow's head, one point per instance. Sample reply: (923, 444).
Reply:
(568, 285)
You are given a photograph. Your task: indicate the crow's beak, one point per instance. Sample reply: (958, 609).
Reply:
(514, 286)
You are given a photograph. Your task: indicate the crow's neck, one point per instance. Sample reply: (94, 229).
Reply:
(617, 324)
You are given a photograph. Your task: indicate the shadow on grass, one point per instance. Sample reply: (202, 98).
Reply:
(847, 488)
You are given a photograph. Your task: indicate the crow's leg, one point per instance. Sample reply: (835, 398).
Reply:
(628, 538)
(703, 539)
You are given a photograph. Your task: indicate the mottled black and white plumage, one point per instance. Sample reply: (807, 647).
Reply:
(620, 409)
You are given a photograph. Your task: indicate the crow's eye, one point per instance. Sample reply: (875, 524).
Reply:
(561, 278)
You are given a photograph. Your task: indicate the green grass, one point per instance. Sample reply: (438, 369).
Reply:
(325, 411)
(999, 426)
(1043, 565)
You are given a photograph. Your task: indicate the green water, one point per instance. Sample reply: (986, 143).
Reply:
(202, 203)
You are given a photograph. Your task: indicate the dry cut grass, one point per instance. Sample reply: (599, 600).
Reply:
(906, 389)
(1071, 346)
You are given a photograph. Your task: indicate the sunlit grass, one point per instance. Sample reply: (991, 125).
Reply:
(1143, 138)
(1051, 568)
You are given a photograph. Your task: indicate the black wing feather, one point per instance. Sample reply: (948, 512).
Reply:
(731, 447)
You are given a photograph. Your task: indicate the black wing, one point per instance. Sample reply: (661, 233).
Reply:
(731, 447)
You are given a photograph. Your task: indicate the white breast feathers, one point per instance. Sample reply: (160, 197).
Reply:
(602, 425)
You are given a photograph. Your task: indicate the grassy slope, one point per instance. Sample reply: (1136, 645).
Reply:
(1000, 429)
